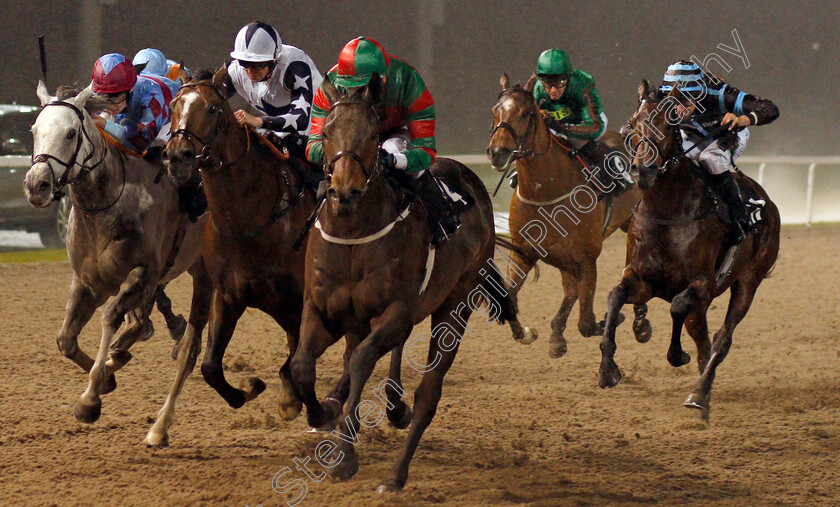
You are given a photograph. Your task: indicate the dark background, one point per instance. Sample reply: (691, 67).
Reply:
(793, 49)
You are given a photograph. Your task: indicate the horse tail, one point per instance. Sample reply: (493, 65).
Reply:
(509, 245)
(495, 290)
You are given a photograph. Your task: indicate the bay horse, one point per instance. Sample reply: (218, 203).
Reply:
(370, 274)
(676, 242)
(258, 207)
(549, 178)
(126, 238)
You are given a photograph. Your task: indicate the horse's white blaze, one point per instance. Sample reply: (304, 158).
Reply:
(188, 101)
(508, 104)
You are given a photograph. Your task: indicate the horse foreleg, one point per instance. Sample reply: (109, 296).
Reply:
(695, 298)
(442, 351)
(82, 302)
(333, 403)
(586, 289)
(642, 329)
(629, 289)
(388, 331)
(223, 319)
(698, 328)
(188, 350)
(741, 297)
(138, 327)
(517, 272)
(134, 291)
(557, 344)
(314, 340)
(289, 402)
(399, 414)
(176, 324)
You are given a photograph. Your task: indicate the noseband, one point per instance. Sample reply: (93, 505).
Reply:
(675, 153)
(62, 181)
(206, 154)
(370, 172)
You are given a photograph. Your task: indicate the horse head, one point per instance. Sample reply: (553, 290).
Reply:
(200, 117)
(654, 134)
(351, 142)
(63, 149)
(515, 124)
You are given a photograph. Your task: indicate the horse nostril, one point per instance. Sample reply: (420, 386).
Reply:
(355, 193)
(188, 155)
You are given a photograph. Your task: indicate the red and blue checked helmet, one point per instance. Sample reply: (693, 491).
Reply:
(113, 73)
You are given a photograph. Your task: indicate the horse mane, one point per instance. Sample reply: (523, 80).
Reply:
(204, 74)
(94, 105)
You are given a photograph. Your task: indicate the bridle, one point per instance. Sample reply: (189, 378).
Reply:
(370, 172)
(675, 152)
(206, 152)
(529, 137)
(62, 181)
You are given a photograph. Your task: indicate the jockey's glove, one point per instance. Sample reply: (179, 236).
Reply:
(387, 159)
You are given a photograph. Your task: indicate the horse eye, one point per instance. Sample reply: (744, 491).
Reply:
(71, 134)
(213, 109)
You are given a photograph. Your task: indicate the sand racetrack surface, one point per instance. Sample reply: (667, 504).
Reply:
(513, 427)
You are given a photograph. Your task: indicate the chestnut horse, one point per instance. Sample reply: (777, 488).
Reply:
(369, 275)
(676, 243)
(546, 220)
(126, 238)
(258, 207)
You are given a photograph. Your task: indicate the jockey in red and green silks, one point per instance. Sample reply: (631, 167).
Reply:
(407, 102)
(406, 128)
(571, 106)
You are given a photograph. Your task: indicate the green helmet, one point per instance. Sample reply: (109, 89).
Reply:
(359, 59)
(554, 61)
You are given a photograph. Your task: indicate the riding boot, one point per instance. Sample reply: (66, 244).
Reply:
(443, 220)
(726, 187)
(596, 153)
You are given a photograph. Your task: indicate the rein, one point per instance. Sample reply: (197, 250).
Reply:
(62, 181)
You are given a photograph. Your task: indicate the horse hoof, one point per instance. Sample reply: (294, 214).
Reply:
(388, 487)
(289, 410)
(695, 400)
(557, 348)
(87, 413)
(147, 331)
(118, 359)
(530, 335)
(401, 420)
(610, 377)
(108, 386)
(253, 388)
(177, 331)
(174, 353)
(156, 439)
(643, 330)
(346, 469)
(683, 360)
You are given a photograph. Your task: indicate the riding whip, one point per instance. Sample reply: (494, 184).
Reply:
(43, 52)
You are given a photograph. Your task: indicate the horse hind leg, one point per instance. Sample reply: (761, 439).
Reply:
(398, 411)
(642, 329)
(739, 303)
(694, 299)
(134, 291)
(517, 271)
(630, 288)
(176, 324)
(138, 327)
(189, 348)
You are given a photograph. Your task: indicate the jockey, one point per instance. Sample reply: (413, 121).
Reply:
(407, 133)
(138, 106)
(157, 64)
(571, 106)
(713, 103)
(279, 80)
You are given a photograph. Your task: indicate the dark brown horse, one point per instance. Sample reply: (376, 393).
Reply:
(369, 275)
(258, 207)
(676, 244)
(548, 222)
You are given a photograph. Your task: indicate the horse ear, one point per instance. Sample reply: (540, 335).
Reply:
(529, 86)
(329, 91)
(644, 89)
(140, 67)
(220, 79)
(374, 88)
(504, 82)
(81, 99)
(183, 75)
(43, 95)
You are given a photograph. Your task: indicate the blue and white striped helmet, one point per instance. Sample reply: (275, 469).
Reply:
(685, 72)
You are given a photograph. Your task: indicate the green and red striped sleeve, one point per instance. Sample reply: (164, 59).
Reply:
(320, 108)
(418, 111)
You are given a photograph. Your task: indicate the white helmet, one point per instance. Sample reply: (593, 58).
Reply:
(257, 42)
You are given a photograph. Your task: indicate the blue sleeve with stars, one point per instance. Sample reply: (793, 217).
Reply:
(295, 116)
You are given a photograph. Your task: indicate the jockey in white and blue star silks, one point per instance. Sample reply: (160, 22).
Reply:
(140, 103)
(277, 79)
